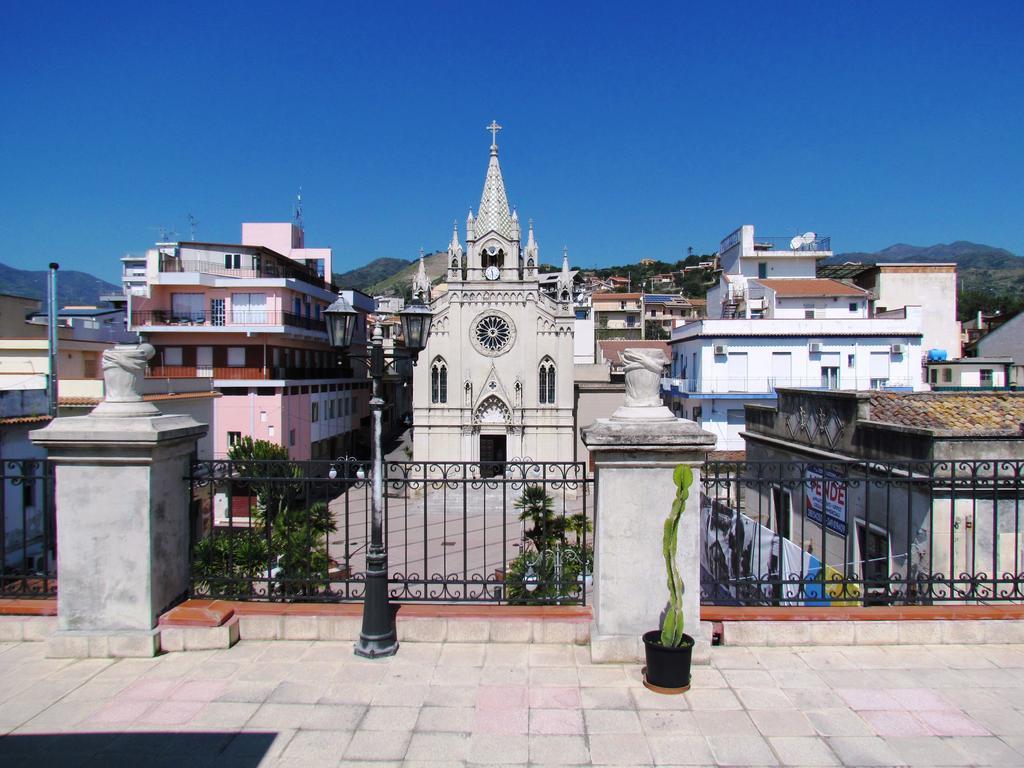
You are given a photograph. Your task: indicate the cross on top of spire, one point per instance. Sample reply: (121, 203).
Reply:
(494, 128)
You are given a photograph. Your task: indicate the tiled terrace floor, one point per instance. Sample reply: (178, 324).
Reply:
(309, 704)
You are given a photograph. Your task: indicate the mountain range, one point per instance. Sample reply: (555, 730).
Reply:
(965, 254)
(73, 287)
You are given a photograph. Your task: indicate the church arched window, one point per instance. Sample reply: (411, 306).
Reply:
(546, 382)
(439, 381)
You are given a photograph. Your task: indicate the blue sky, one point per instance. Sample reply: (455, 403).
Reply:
(631, 130)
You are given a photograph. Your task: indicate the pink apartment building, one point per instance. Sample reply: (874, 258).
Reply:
(249, 316)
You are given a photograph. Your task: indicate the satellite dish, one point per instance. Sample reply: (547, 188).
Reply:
(800, 241)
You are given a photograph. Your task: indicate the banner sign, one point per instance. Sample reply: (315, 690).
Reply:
(826, 499)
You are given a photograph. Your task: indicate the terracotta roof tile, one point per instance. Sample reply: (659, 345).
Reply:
(966, 413)
(23, 420)
(810, 286)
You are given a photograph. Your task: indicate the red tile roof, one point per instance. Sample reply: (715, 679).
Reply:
(963, 413)
(810, 286)
(611, 350)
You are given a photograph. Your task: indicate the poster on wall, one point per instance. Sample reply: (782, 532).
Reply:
(826, 499)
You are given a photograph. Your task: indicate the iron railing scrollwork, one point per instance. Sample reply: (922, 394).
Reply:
(298, 531)
(28, 534)
(862, 533)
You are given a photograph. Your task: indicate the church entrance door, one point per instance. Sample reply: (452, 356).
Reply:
(492, 449)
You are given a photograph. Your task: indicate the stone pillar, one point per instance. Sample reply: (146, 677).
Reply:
(634, 454)
(122, 521)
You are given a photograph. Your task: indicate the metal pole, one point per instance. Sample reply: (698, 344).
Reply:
(51, 333)
(377, 637)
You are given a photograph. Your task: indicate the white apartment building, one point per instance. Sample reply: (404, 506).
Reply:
(774, 324)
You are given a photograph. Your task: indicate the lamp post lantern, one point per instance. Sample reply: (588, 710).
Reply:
(377, 637)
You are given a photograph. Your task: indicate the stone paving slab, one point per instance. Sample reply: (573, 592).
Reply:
(278, 704)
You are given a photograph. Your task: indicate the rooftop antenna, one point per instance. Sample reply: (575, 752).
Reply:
(298, 209)
(193, 222)
(166, 235)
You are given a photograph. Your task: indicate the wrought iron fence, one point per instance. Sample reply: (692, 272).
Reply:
(857, 533)
(490, 532)
(28, 540)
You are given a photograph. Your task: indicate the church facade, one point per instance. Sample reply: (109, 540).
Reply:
(495, 382)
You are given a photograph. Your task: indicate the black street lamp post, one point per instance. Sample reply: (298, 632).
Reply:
(377, 637)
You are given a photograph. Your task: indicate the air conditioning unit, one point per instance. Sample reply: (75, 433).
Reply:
(721, 349)
(898, 349)
(814, 347)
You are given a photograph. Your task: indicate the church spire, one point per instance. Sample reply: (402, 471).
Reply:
(531, 253)
(564, 282)
(493, 214)
(420, 283)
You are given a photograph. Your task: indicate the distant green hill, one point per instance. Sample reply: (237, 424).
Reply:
(363, 277)
(435, 264)
(73, 287)
(989, 278)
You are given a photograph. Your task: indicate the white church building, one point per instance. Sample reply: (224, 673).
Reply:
(495, 382)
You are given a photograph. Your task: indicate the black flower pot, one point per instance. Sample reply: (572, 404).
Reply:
(668, 669)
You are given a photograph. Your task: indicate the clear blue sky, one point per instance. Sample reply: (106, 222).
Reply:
(631, 130)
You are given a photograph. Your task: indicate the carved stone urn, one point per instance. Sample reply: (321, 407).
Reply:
(123, 366)
(643, 369)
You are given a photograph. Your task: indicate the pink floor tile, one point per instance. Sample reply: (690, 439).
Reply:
(502, 722)
(944, 723)
(172, 713)
(199, 690)
(556, 722)
(555, 698)
(120, 711)
(149, 690)
(917, 699)
(497, 697)
(867, 698)
(894, 723)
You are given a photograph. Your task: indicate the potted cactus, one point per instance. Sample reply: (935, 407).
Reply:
(669, 650)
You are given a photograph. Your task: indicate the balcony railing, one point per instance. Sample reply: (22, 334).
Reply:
(265, 268)
(241, 373)
(767, 384)
(820, 243)
(227, 318)
(849, 533)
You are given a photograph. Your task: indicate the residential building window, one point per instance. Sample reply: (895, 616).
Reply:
(232, 261)
(830, 377)
(439, 381)
(762, 269)
(172, 355)
(236, 357)
(854, 306)
(314, 411)
(986, 377)
(330, 409)
(622, 305)
(947, 375)
(249, 308)
(934, 375)
(297, 306)
(546, 382)
(187, 307)
(291, 437)
(234, 438)
(808, 314)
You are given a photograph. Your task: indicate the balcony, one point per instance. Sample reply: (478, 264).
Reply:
(766, 385)
(244, 373)
(263, 268)
(158, 318)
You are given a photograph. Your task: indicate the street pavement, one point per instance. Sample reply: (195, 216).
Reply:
(316, 704)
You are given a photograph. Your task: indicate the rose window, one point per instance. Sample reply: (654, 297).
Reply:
(492, 333)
